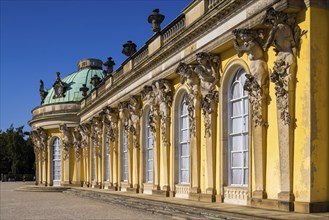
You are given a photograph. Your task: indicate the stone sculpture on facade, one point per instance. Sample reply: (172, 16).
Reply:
(95, 80)
(129, 48)
(43, 137)
(109, 66)
(249, 41)
(43, 92)
(111, 119)
(134, 108)
(77, 139)
(285, 36)
(67, 141)
(156, 19)
(163, 96)
(124, 116)
(187, 74)
(96, 135)
(59, 87)
(84, 89)
(36, 141)
(207, 70)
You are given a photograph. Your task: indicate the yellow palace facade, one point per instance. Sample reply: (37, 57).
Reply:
(227, 104)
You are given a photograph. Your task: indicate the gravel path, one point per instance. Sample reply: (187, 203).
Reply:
(53, 205)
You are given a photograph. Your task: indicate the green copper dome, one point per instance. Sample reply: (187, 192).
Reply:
(73, 82)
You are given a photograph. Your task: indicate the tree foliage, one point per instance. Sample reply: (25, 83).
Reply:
(16, 151)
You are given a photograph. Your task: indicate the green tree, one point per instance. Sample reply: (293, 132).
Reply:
(16, 151)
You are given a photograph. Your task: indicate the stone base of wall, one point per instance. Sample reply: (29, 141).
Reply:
(272, 204)
(133, 190)
(163, 193)
(202, 197)
(311, 207)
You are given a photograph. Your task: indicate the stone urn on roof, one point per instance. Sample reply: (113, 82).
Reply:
(129, 48)
(156, 19)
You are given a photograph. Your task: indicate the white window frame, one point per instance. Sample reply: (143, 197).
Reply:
(183, 142)
(244, 149)
(148, 149)
(56, 156)
(124, 156)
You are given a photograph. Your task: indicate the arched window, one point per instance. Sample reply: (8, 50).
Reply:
(238, 131)
(184, 144)
(56, 160)
(148, 151)
(124, 155)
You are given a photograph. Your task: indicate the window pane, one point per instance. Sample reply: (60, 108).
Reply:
(246, 159)
(236, 108)
(185, 149)
(237, 160)
(236, 91)
(236, 176)
(246, 141)
(184, 135)
(185, 163)
(246, 177)
(246, 123)
(185, 122)
(185, 176)
(245, 107)
(236, 142)
(236, 125)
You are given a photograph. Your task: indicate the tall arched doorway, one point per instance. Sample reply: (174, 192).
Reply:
(56, 162)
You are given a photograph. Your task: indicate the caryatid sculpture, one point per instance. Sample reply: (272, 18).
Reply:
(77, 140)
(285, 36)
(36, 141)
(208, 73)
(43, 141)
(149, 96)
(96, 134)
(134, 108)
(163, 95)
(66, 139)
(250, 42)
(187, 74)
(111, 119)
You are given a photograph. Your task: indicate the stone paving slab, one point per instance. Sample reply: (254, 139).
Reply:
(51, 205)
(249, 212)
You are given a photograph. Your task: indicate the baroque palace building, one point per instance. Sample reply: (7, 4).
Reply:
(227, 104)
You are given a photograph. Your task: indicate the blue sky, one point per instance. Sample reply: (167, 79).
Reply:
(39, 38)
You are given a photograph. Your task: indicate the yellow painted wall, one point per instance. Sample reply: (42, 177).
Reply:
(319, 37)
(301, 180)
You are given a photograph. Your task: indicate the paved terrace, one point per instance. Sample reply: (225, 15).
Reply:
(87, 203)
